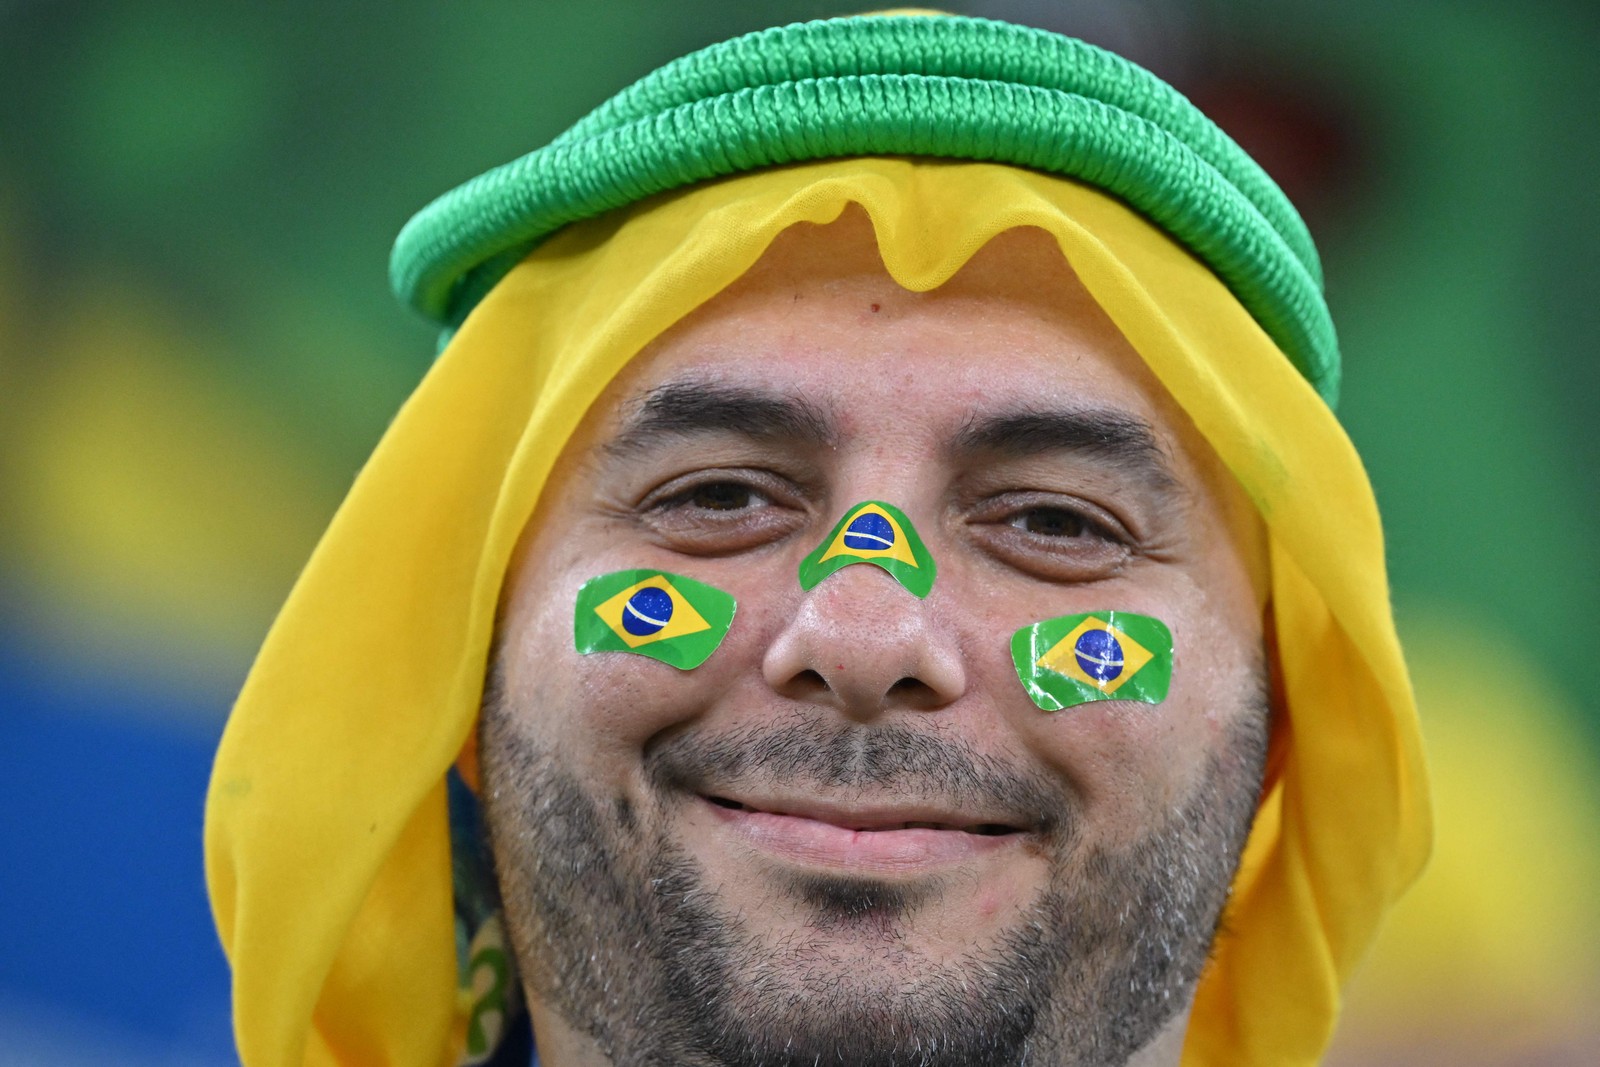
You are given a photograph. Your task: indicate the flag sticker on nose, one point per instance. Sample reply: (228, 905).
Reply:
(877, 533)
(667, 617)
(1104, 655)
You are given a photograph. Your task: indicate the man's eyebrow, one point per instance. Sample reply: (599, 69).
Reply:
(686, 408)
(1114, 438)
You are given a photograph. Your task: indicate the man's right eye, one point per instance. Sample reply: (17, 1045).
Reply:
(719, 496)
(714, 512)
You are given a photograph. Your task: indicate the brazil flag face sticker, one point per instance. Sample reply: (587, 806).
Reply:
(1104, 655)
(877, 533)
(668, 617)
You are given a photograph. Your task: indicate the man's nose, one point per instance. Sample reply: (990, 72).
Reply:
(866, 645)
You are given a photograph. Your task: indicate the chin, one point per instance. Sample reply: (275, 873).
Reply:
(913, 908)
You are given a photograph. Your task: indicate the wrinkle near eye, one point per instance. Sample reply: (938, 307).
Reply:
(718, 512)
(1052, 542)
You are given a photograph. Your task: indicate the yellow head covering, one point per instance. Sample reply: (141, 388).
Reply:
(328, 856)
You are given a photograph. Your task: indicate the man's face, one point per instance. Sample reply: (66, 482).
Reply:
(850, 832)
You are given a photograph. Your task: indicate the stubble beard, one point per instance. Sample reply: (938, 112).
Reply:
(618, 931)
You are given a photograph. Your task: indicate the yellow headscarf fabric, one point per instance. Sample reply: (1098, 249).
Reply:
(327, 846)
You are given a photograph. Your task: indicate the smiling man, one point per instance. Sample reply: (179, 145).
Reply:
(686, 343)
(853, 830)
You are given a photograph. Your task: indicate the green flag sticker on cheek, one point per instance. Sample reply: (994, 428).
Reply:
(668, 617)
(876, 533)
(1103, 655)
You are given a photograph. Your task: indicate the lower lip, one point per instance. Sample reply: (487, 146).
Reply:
(813, 842)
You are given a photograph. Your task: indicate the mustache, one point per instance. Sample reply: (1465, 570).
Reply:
(882, 761)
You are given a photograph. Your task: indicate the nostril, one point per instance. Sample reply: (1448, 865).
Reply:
(906, 685)
(811, 679)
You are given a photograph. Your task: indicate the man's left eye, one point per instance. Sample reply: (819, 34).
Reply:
(1054, 522)
(1049, 537)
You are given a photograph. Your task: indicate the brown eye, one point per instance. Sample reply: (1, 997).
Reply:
(1052, 536)
(1053, 522)
(717, 512)
(720, 496)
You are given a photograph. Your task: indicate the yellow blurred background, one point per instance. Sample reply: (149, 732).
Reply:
(198, 348)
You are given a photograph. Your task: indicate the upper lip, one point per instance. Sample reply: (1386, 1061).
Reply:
(876, 816)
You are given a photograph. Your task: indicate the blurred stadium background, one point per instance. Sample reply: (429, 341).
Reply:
(198, 348)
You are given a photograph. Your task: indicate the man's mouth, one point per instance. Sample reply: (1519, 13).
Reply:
(879, 837)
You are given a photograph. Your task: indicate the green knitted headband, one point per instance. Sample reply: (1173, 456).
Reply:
(944, 86)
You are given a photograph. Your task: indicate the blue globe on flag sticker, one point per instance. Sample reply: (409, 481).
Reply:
(1099, 654)
(869, 532)
(647, 611)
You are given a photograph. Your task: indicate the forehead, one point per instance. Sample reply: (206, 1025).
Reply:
(819, 317)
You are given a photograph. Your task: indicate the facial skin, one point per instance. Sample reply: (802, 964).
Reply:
(712, 866)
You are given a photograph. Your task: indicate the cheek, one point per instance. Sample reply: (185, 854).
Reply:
(1133, 763)
(1128, 761)
(1218, 664)
(1217, 681)
(604, 703)
(603, 708)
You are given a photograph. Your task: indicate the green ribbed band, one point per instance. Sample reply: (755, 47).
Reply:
(936, 86)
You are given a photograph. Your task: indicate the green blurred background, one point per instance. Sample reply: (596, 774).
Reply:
(198, 349)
